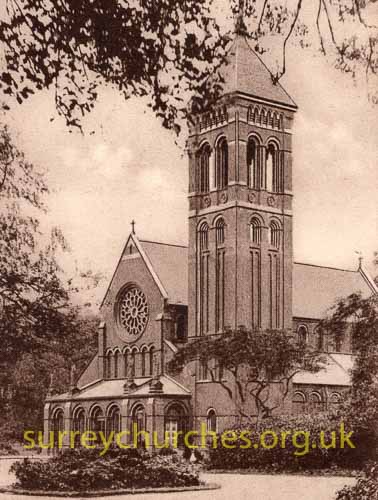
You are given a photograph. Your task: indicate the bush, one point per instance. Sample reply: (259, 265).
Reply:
(366, 487)
(7, 449)
(85, 470)
(289, 457)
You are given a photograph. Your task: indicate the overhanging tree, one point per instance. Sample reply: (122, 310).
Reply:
(251, 366)
(166, 49)
(360, 316)
(41, 332)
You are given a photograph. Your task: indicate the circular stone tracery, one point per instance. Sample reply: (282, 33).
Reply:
(133, 311)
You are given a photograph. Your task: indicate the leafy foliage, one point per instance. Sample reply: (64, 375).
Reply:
(292, 456)
(164, 49)
(40, 330)
(85, 470)
(360, 316)
(250, 362)
(366, 487)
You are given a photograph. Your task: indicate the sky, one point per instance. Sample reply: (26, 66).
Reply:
(131, 168)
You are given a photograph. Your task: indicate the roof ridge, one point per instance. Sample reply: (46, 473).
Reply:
(326, 267)
(162, 243)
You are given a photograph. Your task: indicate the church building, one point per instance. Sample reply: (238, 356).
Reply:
(237, 269)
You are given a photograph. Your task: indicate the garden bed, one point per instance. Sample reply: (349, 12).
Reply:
(100, 493)
(82, 471)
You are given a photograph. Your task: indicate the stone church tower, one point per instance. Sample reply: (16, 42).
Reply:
(240, 202)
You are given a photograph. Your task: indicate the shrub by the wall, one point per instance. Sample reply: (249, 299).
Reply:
(85, 470)
(291, 457)
(366, 487)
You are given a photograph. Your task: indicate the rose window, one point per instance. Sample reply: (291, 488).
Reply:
(133, 311)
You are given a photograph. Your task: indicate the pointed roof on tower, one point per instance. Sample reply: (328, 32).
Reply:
(244, 72)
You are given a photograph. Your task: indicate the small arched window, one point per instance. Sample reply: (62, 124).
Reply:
(133, 363)
(116, 364)
(335, 400)
(302, 334)
(274, 169)
(126, 363)
(204, 168)
(144, 361)
(299, 403)
(57, 424)
(275, 234)
(113, 423)
(97, 421)
(78, 424)
(138, 424)
(222, 163)
(271, 159)
(316, 403)
(211, 423)
(255, 231)
(151, 360)
(78, 421)
(270, 119)
(219, 232)
(203, 234)
(108, 365)
(254, 177)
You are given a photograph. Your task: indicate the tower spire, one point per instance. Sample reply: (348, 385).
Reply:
(240, 27)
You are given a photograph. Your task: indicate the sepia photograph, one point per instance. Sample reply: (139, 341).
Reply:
(188, 249)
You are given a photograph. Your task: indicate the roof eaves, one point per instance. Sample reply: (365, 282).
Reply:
(369, 280)
(149, 265)
(115, 270)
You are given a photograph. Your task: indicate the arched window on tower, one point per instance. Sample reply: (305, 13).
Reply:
(255, 231)
(203, 234)
(253, 164)
(203, 278)
(219, 229)
(222, 163)
(274, 169)
(204, 168)
(274, 234)
(270, 162)
(219, 275)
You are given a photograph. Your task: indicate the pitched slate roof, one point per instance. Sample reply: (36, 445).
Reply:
(111, 389)
(170, 263)
(317, 288)
(246, 73)
(336, 371)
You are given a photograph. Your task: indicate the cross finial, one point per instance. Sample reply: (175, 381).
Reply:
(133, 226)
(360, 259)
(240, 27)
